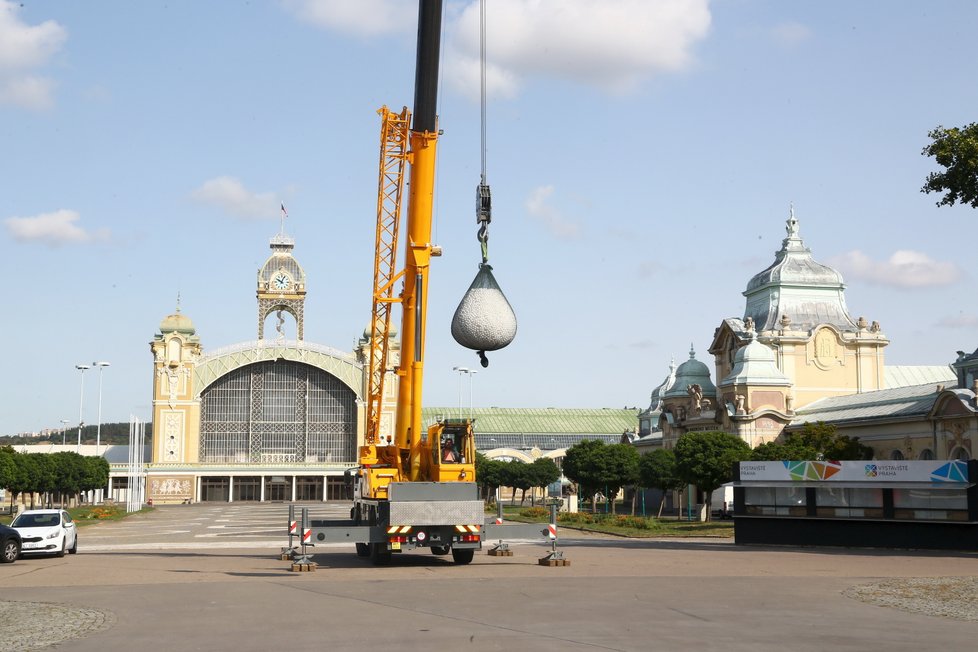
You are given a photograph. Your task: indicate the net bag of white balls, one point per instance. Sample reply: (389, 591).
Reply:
(484, 320)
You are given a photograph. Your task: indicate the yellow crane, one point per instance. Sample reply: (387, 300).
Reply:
(414, 488)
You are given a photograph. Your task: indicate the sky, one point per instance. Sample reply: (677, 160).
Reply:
(642, 155)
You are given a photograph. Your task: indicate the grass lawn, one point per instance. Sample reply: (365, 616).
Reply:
(88, 514)
(623, 524)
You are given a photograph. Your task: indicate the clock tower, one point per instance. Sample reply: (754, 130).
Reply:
(281, 287)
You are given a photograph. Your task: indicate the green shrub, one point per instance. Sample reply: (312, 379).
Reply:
(578, 518)
(535, 512)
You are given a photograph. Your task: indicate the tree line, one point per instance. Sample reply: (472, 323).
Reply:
(492, 474)
(703, 459)
(112, 433)
(54, 477)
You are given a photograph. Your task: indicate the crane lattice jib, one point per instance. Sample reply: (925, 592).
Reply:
(394, 144)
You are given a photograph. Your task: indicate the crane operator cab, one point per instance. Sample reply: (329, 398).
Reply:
(453, 450)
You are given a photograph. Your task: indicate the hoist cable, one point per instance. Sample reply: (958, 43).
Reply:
(483, 195)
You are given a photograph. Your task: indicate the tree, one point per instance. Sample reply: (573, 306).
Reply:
(956, 150)
(706, 459)
(657, 470)
(584, 464)
(519, 477)
(790, 449)
(96, 474)
(848, 448)
(544, 472)
(9, 471)
(489, 475)
(68, 469)
(621, 469)
(815, 441)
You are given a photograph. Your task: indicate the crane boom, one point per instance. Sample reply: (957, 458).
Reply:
(424, 141)
(393, 156)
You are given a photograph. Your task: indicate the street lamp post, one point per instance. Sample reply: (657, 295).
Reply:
(470, 372)
(81, 403)
(98, 430)
(64, 427)
(460, 370)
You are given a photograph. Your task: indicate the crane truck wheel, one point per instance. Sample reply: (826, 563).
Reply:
(440, 550)
(463, 555)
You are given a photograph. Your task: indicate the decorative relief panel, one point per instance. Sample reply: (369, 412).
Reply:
(172, 436)
(826, 351)
(164, 490)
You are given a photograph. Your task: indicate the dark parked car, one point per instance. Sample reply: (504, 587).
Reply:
(9, 544)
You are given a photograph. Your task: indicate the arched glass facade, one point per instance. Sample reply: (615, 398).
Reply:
(277, 412)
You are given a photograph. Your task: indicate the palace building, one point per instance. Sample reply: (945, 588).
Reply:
(797, 356)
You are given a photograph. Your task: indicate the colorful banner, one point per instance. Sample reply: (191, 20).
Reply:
(870, 471)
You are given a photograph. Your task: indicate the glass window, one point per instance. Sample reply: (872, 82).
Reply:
(930, 499)
(278, 412)
(930, 504)
(849, 502)
(775, 501)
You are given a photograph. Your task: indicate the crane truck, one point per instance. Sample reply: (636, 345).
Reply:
(408, 490)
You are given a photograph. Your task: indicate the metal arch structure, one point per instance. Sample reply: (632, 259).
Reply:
(223, 361)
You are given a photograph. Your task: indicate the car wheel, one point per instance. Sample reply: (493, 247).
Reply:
(11, 550)
(74, 546)
(61, 553)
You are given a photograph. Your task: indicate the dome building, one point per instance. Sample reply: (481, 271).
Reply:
(797, 308)
(762, 395)
(690, 403)
(796, 356)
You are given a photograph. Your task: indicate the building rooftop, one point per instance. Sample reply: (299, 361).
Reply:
(905, 375)
(900, 402)
(543, 428)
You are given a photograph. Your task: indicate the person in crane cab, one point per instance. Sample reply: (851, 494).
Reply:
(448, 452)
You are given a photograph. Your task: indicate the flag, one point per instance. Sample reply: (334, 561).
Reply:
(285, 213)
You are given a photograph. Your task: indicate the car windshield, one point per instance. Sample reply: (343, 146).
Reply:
(37, 520)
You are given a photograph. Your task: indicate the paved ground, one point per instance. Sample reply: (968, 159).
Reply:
(208, 578)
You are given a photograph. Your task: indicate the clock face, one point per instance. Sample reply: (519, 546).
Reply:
(281, 281)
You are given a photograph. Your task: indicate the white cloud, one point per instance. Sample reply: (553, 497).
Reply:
(27, 92)
(362, 18)
(539, 206)
(961, 320)
(904, 269)
(791, 33)
(230, 195)
(24, 48)
(611, 44)
(52, 229)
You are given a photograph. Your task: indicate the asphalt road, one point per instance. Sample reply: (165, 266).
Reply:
(203, 577)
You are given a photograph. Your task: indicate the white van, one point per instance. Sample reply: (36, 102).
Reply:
(722, 501)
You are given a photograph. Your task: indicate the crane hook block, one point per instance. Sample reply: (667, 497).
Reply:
(484, 320)
(483, 204)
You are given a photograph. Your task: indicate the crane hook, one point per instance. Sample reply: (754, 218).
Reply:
(483, 237)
